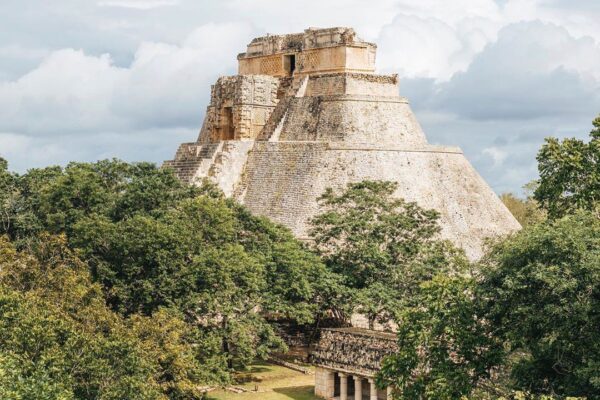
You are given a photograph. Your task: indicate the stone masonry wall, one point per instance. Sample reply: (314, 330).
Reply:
(252, 99)
(351, 83)
(352, 118)
(353, 350)
(324, 385)
(316, 50)
(228, 165)
(286, 171)
(282, 180)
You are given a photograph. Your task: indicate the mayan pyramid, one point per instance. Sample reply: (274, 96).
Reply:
(307, 112)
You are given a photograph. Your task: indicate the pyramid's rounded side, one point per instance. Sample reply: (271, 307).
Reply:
(282, 181)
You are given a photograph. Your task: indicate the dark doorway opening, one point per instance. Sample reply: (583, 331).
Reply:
(351, 386)
(289, 63)
(228, 128)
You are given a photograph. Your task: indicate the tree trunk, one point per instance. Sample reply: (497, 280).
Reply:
(225, 343)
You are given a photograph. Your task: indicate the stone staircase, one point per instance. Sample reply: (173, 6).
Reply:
(218, 160)
(274, 126)
(193, 159)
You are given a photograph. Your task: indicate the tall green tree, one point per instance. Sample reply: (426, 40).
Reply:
(223, 268)
(569, 174)
(7, 196)
(153, 242)
(445, 347)
(541, 290)
(382, 246)
(60, 340)
(525, 210)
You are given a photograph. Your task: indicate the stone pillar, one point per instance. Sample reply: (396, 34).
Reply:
(357, 388)
(324, 383)
(389, 393)
(330, 385)
(343, 386)
(373, 394)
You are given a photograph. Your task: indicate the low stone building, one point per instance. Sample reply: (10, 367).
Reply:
(347, 360)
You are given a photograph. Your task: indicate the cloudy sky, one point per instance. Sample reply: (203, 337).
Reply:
(92, 79)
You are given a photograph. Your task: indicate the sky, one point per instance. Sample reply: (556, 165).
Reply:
(82, 80)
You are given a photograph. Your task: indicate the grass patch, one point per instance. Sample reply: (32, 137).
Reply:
(273, 382)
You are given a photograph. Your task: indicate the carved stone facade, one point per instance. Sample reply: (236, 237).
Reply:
(240, 107)
(275, 137)
(347, 360)
(311, 52)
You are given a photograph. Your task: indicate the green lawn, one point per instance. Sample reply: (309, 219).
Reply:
(273, 383)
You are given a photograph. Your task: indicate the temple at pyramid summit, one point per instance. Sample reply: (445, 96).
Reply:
(306, 112)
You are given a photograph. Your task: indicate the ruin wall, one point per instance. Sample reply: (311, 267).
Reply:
(352, 118)
(281, 180)
(353, 351)
(250, 100)
(352, 83)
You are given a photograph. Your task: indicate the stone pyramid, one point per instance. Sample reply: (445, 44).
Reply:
(307, 112)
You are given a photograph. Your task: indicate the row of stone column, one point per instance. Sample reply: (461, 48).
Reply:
(358, 388)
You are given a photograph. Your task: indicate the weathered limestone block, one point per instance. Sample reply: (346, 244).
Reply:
(353, 83)
(228, 165)
(283, 181)
(324, 383)
(352, 118)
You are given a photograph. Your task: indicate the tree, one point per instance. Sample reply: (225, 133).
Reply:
(445, 346)
(153, 242)
(223, 268)
(59, 340)
(7, 196)
(541, 291)
(54, 199)
(569, 174)
(382, 246)
(526, 211)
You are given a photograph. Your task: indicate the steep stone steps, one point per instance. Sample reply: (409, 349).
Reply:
(192, 160)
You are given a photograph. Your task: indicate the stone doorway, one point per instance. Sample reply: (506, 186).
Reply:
(227, 128)
(289, 63)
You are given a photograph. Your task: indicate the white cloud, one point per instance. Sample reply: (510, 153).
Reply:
(429, 47)
(138, 4)
(169, 85)
(24, 152)
(435, 39)
(165, 85)
(17, 51)
(453, 12)
(533, 70)
(498, 155)
(68, 91)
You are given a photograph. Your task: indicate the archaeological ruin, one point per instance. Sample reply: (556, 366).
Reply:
(346, 361)
(307, 112)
